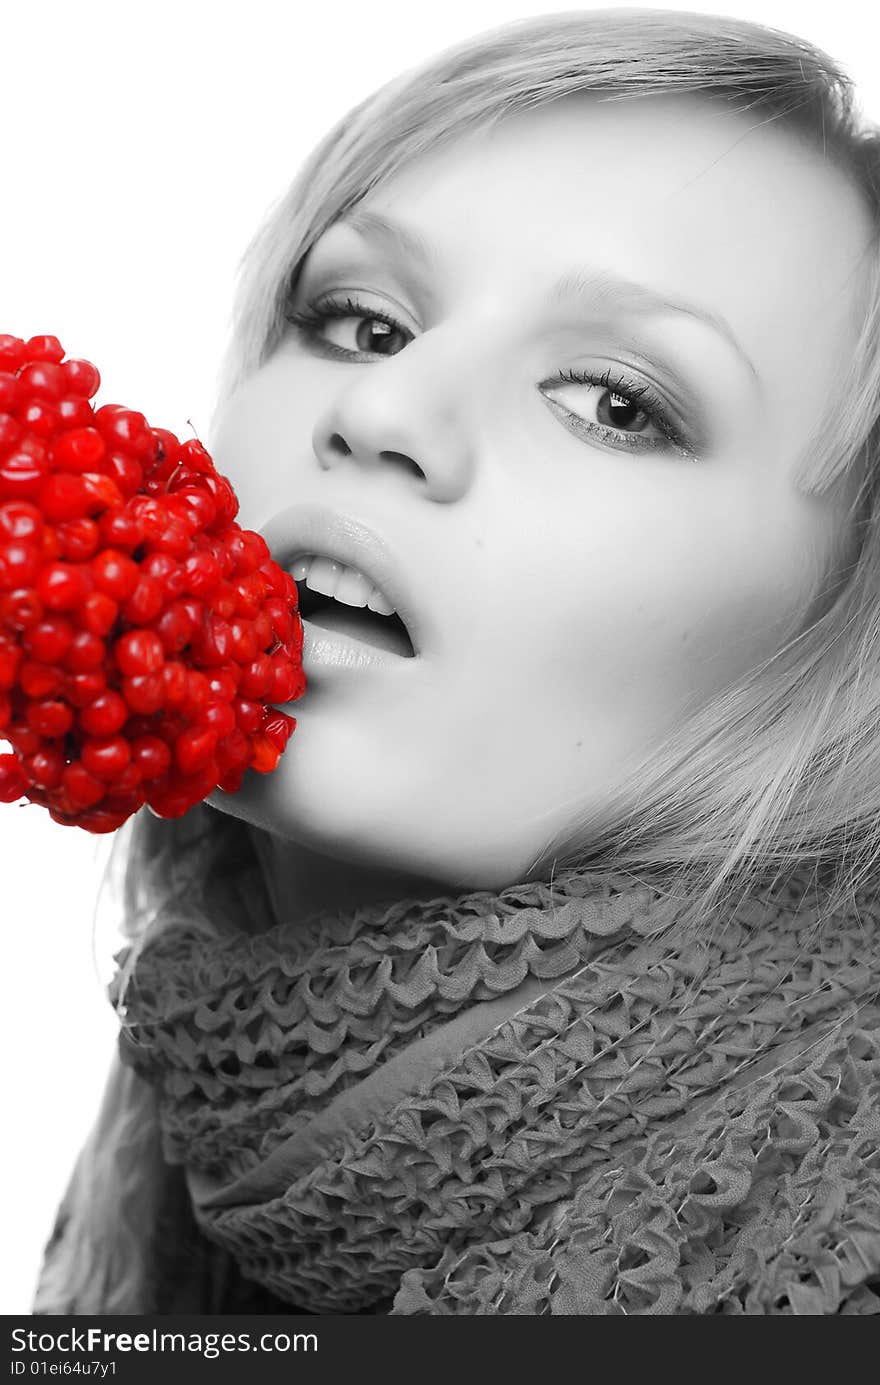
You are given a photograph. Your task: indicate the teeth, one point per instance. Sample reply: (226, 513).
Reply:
(345, 584)
(377, 602)
(323, 576)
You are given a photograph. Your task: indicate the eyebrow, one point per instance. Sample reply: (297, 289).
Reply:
(610, 290)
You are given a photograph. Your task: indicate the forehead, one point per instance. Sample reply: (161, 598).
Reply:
(651, 166)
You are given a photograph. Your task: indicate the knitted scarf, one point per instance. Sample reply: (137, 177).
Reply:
(555, 1099)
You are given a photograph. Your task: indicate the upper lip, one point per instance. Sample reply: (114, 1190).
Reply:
(303, 529)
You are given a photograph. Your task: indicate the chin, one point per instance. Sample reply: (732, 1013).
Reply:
(278, 803)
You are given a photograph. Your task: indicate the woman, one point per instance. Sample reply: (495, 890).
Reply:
(542, 975)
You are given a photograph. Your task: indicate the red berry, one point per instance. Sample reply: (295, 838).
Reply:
(81, 449)
(75, 413)
(231, 781)
(98, 613)
(81, 378)
(22, 475)
(200, 506)
(97, 820)
(169, 801)
(50, 639)
(43, 348)
(42, 380)
(223, 601)
(145, 692)
(194, 749)
(13, 783)
(86, 652)
(11, 392)
(105, 758)
(19, 564)
(61, 587)
(203, 573)
(127, 784)
(103, 491)
(125, 428)
(82, 788)
(49, 718)
(198, 692)
(46, 767)
(139, 651)
(21, 609)
(105, 716)
(12, 352)
(152, 756)
(121, 529)
(223, 682)
(115, 573)
(212, 644)
(19, 519)
(174, 539)
(265, 756)
(126, 471)
(243, 641)
(256, 681)
(10, 433)
(175, 628)
(167, 453)
(39, 417)
(256, 549)
(26, 741)
(49, 545)
(281, 617)
(40, 680)
(218, 717)
(288, 682)
(65, 495)
(168, 573)
(248, 714)
(234, 752)
(82, 688)
(145, 602)
(78, 539)
(278, 729)
(175, 683)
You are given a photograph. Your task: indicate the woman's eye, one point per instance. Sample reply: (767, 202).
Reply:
(360, 330)
(609, 408)
(625, 413)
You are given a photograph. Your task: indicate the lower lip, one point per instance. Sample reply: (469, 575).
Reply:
(328, 649)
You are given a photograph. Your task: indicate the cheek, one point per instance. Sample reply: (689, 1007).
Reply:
(261, 440)
(669, 602)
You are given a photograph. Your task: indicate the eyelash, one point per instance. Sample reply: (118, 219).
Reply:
(311, 317)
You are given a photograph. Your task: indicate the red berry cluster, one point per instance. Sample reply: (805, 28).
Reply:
(144, 634)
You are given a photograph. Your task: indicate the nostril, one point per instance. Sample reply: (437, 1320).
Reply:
(337, 441)
(406, 462)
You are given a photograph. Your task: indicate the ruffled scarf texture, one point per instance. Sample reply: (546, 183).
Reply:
(531, 1102)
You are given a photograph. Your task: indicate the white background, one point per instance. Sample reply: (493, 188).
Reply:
(142, 144)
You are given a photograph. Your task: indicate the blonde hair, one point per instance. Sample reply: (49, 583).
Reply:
(783, 768)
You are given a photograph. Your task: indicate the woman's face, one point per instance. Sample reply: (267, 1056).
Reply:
(589, 561)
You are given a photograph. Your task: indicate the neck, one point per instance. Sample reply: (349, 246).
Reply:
(305, 882)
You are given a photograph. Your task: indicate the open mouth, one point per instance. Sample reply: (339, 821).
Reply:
(357, 622)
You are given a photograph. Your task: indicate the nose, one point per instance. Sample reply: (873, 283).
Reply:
(398, 415)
